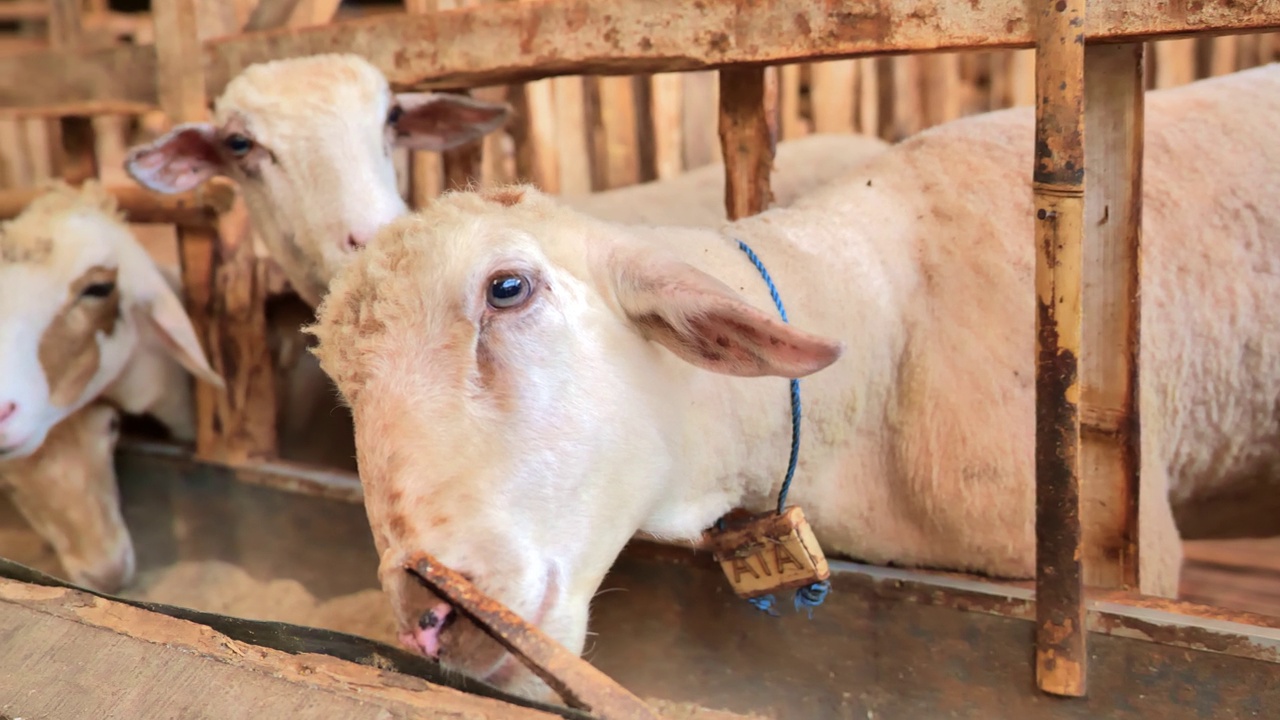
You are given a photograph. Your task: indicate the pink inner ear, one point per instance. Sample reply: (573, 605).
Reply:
(177, 162)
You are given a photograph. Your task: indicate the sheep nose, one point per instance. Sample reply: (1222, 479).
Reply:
(355, 240)
(425, 638)
(7, 410)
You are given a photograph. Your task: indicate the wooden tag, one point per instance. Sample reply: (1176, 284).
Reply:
(768, 553)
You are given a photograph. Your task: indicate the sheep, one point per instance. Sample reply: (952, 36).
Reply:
(66, 490)
(532, 386)
(84, 314)
(309, 142)
(86, 318)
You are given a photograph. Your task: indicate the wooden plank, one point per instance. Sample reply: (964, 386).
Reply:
(271, 14)
(868, 97)
(615, 133)
(64, 650)
(426, 169)
(141, 206)
(574, 155)
(1058, 187)
(832, 95)
(941, 92)
(1110, 459)
(535, 137)
(746, 143)
(907, 107)
(667, 96)
(701, 108)
(619, 37)
(793, 124)
(19, 10)
(1175, 62)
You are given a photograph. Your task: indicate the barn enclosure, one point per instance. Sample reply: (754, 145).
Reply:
(257, 522)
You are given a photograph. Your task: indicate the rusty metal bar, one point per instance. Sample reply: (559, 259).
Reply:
(525, 41)
(1058, 183)
(580, 684)
(746, 141)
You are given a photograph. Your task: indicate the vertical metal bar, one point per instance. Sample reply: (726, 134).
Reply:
(1058, 186)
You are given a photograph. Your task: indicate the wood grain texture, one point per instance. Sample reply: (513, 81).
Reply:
(64, 651)
(1110, 461)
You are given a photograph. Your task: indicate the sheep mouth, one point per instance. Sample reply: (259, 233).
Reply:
(463, 634)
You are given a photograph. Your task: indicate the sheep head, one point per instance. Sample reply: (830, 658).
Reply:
(309, 142)
(518, 373)
(67, 491)
(77, 295)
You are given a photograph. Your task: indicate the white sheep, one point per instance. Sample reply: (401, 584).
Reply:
(85, 316)
(309, 141)
(532, 386)
(66, 490)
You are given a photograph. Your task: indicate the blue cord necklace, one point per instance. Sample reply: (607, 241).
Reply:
(812, 595)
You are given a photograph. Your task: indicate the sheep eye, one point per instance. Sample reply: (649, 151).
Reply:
(98, 290)
(508, 291)
(394, 114)
(238, 144)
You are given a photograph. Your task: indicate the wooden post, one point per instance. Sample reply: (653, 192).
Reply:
(746, 142)
(1058, 183)
(667, 99)
(571, 135)
(832, 95)
(1111, 455)
(426, 169)
(225, 281)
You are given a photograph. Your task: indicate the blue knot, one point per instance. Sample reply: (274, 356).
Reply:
(764, 603)
(811, 596)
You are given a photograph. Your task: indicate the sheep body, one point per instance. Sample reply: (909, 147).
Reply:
(524, 444)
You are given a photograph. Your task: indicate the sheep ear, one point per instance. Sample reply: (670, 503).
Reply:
(168, 320)
(441, 121)
(701, 320)
(180, 160)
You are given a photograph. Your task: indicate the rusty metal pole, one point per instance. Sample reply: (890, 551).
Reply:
(1058, 183)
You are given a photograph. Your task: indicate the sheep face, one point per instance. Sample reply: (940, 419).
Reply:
(309, 142)
(67, 491)
(516, 373)
(76, 294)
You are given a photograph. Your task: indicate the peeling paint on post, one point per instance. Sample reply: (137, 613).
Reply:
(1059, 206)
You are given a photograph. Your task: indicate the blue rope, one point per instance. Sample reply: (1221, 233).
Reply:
(814, 594)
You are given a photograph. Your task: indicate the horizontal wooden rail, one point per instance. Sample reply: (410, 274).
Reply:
(520, 42)
(198, 208)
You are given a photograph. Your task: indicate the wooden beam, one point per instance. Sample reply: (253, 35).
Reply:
(142, 206)
(523, 41)
(1058, 188)
(746, 142)
(20, 10)
(1110, 461)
